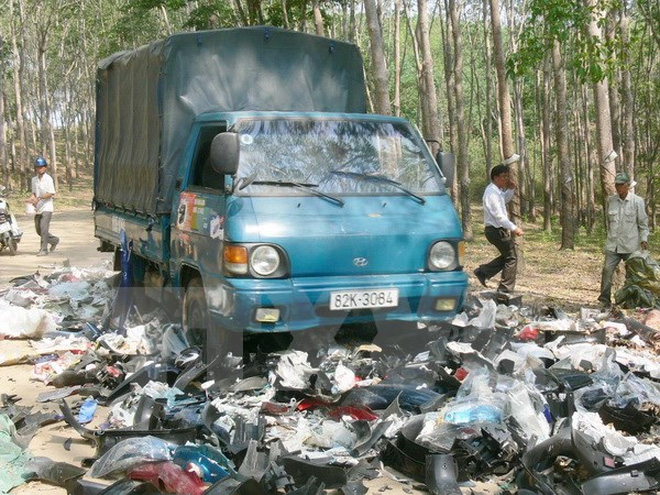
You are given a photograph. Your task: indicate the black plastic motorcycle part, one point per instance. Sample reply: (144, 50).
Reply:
(640, 477)
(441, 472)
(105, 439)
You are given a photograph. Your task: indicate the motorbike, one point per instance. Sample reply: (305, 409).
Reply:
(10, 234)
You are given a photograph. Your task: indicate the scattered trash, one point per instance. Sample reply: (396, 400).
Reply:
(541, 401)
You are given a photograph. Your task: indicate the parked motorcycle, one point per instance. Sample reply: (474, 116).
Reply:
(10, 234)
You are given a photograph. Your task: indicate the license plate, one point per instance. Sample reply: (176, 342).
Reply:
(368, 298)
(5, 227)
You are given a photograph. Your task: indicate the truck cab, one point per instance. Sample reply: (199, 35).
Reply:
(290, 221)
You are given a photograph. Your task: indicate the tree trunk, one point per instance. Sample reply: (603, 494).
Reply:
(448, 62)
(462, 154)
(628, 129)
(318, 18)
(6, 177)
(379, 66)
(605, 144)
(428, 97)
(397, 58)
(507, 147)
(589, 155)
(561, 128)
(613, 92)
(18, 72)
(47, 132)
(488, 119)
(525, 185)
(546, 156)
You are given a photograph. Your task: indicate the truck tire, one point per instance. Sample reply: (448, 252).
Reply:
(195, 316)
(200, 331)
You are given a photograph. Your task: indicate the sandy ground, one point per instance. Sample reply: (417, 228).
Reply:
(77, 246)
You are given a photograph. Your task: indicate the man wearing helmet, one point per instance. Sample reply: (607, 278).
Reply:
(43, 191)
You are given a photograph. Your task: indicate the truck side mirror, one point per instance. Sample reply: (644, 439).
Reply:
(224, 153)
(446, 163)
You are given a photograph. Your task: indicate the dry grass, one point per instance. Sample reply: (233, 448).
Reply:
(548, 276)
(77, 196)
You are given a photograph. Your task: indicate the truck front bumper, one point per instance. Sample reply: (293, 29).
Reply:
(300, 304)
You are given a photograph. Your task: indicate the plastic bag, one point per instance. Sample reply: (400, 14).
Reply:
(642, 286)
(527, 406)
(476, 402)
(131, 452)
(30, 209)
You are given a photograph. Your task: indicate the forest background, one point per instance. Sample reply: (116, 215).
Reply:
(567, 91)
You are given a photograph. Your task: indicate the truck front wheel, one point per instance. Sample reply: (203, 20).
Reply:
(200, 331)
(196, 315)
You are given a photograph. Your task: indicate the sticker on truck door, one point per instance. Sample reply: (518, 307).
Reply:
(190, 214)
(184, 213)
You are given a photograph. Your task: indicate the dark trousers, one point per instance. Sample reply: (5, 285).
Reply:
(612, 260)
(506, 262)
(42, 226)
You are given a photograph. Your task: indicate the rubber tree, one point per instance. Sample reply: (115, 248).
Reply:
(462, 151)
(382, 102)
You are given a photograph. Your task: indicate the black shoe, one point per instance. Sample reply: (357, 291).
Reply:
(481, 277)
(54, 245)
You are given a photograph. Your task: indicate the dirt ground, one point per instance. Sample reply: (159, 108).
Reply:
(77, 246)
(549, 277)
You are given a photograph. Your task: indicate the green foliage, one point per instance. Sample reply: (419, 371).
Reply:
(5, 59)
(565, 22)
(211, 15)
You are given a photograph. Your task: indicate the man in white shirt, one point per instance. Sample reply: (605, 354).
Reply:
(500, 231)
(627, 231)
(43, 192)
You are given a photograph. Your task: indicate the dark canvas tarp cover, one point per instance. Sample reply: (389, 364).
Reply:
(148, 98)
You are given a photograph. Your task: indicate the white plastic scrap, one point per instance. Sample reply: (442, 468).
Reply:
(75, 292)
(62, 344)
(461, 320)
(486, 318)
(294, 370)
(343, 379)
(592, 425)
(21, 323)
(595, 354)
(520, 405)
(640, 359)
(160, 390)
(136, 341)
(640, 453)
(621, 329)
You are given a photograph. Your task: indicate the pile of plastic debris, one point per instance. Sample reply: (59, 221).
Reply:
(538, 400)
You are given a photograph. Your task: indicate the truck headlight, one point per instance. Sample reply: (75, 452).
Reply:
(442, 256)
(264, 260)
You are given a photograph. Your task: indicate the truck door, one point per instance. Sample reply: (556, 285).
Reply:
(199, 212)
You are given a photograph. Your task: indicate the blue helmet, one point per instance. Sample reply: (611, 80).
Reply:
(40, 162)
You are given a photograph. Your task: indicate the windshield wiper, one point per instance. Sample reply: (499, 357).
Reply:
(286, 183)
(382, 179)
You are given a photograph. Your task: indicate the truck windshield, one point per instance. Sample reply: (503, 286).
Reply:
(334, 157)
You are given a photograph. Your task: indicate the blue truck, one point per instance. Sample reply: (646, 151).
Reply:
(251, 182)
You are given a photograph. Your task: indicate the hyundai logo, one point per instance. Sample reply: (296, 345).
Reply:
(359, 261)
